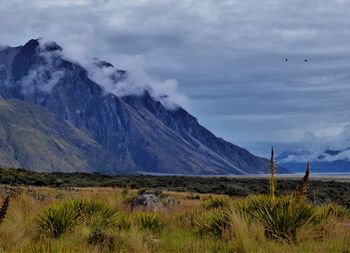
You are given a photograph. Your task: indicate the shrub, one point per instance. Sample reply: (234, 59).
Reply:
(100, 238)
(56, 220)
(150, 220)
(213, 222)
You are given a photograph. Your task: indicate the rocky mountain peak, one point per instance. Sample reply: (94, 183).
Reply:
(133, 133)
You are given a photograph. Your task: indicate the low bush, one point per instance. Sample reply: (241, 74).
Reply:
(98, 237)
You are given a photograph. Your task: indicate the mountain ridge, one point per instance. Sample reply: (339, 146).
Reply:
(138, 132)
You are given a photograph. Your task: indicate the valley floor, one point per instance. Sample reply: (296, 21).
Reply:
(96, 219)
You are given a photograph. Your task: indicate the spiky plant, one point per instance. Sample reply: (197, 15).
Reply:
(94, 213)
(272, 177)
(218, 202)
(56, 220)
(151, 221)
(284, 218)
(213, 222)
(303, 186)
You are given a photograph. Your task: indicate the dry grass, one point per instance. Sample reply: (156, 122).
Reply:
(173, 230)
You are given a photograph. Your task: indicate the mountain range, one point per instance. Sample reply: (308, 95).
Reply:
(55, 117)
(328, 161)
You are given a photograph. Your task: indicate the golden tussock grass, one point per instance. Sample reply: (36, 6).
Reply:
(205, 223)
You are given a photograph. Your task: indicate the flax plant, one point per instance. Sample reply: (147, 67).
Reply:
(273, 177)
(303, 186)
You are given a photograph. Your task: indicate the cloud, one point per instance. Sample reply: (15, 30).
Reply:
(228, 57)
(135, 81)
(45, 76)
(322, 147)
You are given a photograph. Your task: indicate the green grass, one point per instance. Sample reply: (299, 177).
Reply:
(213, 222)
(150, 221)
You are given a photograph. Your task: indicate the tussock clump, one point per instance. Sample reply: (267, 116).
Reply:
(124, 221)
(93, 212)
(284, 217)
(327, 211)
(60, 217)
(56, 220)
(281, 218)
(150, 220)
(213, 222)
(218, 202)
(188, 218)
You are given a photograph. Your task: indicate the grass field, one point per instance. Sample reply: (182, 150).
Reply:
(96, 213)
(43, 219)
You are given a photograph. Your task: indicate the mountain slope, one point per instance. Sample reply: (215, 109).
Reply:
(31, 137)
(137, 133)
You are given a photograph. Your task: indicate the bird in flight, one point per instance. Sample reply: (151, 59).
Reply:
(306, 60)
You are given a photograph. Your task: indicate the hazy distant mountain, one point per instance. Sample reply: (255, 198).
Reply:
(329, 161)
(55, 118)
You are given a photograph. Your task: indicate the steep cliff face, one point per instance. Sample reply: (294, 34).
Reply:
(132, 133)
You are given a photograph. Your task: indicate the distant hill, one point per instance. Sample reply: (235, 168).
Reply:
(55, 118)
(330, 161)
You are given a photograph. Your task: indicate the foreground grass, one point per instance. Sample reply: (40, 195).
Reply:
(43, 219)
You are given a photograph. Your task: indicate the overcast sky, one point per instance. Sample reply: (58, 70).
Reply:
(228, 58)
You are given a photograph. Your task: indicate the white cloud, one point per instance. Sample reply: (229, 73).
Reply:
(314, 147)
(135, 81)
(45, 76)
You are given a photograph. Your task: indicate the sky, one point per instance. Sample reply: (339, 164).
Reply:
(226, 59)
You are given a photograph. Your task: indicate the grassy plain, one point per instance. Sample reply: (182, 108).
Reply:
(199, 223)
